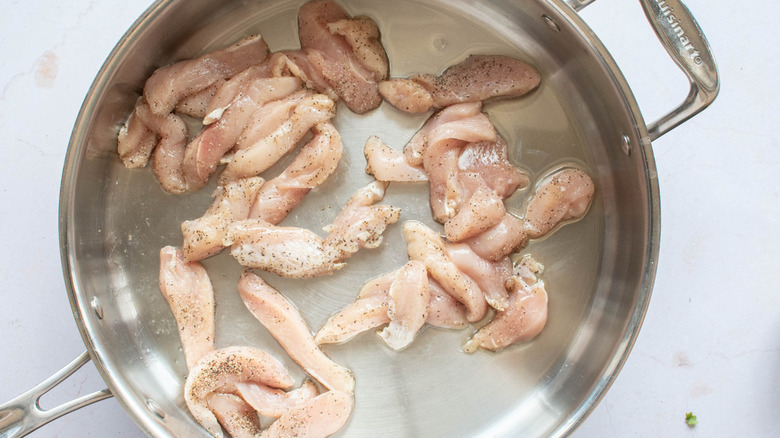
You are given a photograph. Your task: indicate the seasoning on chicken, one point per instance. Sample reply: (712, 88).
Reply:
(490, 276)
(345, 51)
(220, 370)
(477, 78)
(477, 208)
(561, 196)
(321, 417)
(489, 159)
(387, 164)
(408, 306)
(170, 84)
(273, 402)
(237, 417)
(506, 237)
(316, 161)
(524, 317)
(187, 288)
(203, 237)
(287, 326)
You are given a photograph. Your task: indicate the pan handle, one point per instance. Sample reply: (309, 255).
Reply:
(23, 414)
(683, 39)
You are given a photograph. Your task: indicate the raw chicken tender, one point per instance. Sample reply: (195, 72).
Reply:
(490, 276)
(480, 208)
(477, 78)
(345, 51)
(360, 223)
(506, 237)
(237, 417)
(408, 307)
(524, 317)
(489, 160)
(425, 245)
(203, 237)
(321, 417)
(168, 85)
(286, 251)
(287, 326)
(273, 402)
(316, 161)
(562, 196)
(387, 164)
(220, 370)
(187, 288)
(444, 311)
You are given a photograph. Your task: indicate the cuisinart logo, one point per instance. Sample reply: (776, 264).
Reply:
(666, 10)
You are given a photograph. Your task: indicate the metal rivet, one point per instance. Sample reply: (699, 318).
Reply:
(155, 408)
(626, 145)
(97, 307)
(551, 23)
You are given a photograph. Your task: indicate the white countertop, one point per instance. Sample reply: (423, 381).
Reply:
(710, 342)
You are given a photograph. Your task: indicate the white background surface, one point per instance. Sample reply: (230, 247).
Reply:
(711, 339)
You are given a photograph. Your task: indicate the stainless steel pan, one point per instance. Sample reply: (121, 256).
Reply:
(599, 271)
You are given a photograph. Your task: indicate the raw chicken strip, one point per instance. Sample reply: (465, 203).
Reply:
(489, 160)
(490, 276)
(230, 90)
(316, 161)
(235, 415)
(415, 149)
(408, 307)
(222, 369)
(205, 151)
(524, 318)
(346, 51)
(287, 326)
(168, 85)
(477, 78)
(145, 133)
(481, 210)
(562, 196)
(187, 288)
(269, 117)
(360, 223)
(203, 237)
(196, 105)
(254, 159)
(425, 245)
(321, 417)
(286, 251)
(273, 402)
(387, 164)
(506, 237)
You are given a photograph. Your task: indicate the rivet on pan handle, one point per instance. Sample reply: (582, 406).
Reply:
(684, 41)
(23, 414)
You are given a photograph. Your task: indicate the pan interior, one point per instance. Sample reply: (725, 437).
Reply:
(115, 221)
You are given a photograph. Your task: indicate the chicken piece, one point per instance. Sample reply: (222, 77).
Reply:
(369, 310)
(236, 416)
(169, 85)
(480, 210)
(506, 237)
(286, 251)
(490, 276)
(254, 159)
(316, 161)
(136, 142)
(477, 78)
(562, 196)
(269, 117)
(387, 164)
(406, 95)
(346, 51)
(295, 63)
(443, 310)
(205, 151)
(321, 417)
(414, 150)
(287, 326)
(272, 402)
(489, 160)
(203, 237)
(224, 368)
(360, 223)
(187, 288)
(230, 90)
(408, 307)
(196, 105)
(425, 245)
(523, 319)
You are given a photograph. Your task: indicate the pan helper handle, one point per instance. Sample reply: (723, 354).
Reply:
(23, 414)
(684, 41)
